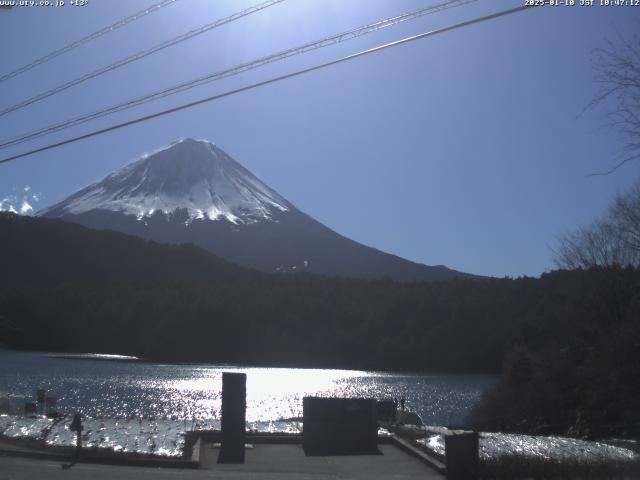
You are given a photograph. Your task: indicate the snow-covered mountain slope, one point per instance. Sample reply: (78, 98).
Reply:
(193, 175)
(193, 192)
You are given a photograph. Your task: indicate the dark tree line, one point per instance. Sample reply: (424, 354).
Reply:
(576, 366)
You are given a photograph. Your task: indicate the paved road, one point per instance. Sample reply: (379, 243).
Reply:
(267, 462)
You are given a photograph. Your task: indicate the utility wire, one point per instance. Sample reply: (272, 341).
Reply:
(139, 55)
(307, 47)
(273, 80)
(87, 39)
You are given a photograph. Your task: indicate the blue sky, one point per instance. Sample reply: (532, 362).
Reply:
(466, 149)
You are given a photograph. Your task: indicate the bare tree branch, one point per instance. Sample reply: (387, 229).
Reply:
(611, 241)
(617, 72)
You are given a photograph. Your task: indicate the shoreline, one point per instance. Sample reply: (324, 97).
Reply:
(66, 355)
(52, 434)
(428, 449)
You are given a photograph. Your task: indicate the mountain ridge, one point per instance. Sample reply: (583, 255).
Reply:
(191, 191)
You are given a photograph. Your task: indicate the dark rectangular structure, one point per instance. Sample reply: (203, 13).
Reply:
(340, 426)
(386, 411)
(461, 451)
(234, 407)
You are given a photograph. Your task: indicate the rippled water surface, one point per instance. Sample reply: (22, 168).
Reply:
(110, 388)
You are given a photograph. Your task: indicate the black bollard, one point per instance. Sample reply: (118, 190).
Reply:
(461, 452)
(234, 406)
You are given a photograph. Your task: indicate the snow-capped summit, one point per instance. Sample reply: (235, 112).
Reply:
(193, 192)
(194, 175)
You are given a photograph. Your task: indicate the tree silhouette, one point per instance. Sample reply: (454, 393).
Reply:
(617, 72)
(613, 240)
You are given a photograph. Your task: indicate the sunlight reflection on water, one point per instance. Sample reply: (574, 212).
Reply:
(117, 389)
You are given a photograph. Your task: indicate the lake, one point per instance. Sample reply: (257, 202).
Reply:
(146, 408)
(99, 387)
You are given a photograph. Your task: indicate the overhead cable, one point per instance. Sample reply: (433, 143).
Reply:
(139, 55)
(271, 80)
(87, 39)
(307, 47)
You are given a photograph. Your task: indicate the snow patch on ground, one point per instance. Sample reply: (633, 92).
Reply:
(495, 445)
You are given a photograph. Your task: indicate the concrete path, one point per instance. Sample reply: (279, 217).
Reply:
(264, 461)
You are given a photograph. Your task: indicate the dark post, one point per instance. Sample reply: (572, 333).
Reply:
(41, 395)
(234, 406)
(461, 452)
(76, 426)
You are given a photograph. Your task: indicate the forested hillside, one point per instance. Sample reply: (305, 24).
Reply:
(571, 339)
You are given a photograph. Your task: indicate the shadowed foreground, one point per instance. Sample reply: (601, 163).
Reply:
(263, 461)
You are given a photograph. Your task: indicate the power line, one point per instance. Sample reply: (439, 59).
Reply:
(327, 41)
(88, 38)
(139, 55)
(273, 80)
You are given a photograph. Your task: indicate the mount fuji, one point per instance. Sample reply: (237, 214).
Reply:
(193, 192)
